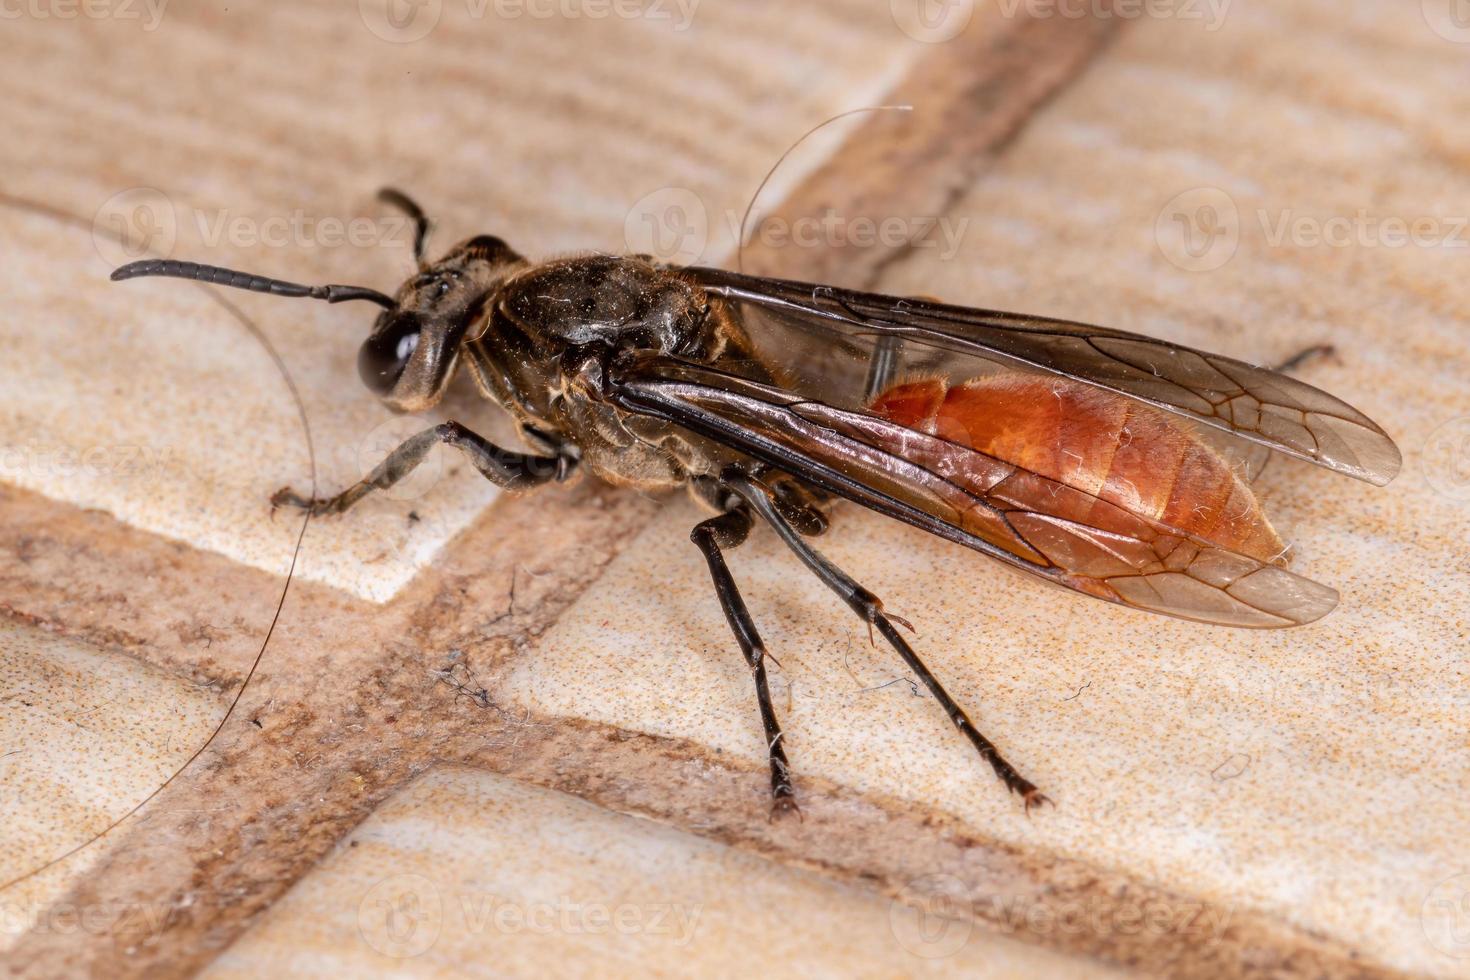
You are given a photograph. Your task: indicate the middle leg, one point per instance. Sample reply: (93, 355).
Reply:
(870, 608)
(711, 537)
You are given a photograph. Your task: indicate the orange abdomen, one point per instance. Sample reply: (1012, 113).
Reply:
(1124, 452)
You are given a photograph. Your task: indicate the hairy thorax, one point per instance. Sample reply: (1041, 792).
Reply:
(553, 332)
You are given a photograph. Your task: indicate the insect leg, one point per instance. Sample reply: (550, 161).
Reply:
(503, 467)
(883, 367)
(798, 503)
(870, 608)
(728, 530)
(1302, 357)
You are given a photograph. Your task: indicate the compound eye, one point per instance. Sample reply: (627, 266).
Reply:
(384, 355)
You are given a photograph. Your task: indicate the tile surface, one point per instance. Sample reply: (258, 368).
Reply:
(1318, 774)
(1236, 185)
(468, 874)
(519, 165)
(84, 736)
(167, 414)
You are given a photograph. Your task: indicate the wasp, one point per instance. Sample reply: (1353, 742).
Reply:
(1105, 462)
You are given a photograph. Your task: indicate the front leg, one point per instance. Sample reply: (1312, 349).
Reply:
(505, 468)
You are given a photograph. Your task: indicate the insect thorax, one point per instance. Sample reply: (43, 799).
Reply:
(557, 326)
(605, 299)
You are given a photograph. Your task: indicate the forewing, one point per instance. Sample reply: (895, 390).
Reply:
(845, 346)
(1062, 534)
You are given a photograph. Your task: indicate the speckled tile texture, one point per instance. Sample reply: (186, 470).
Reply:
(490, 693)
(84, 734)
(1320, 774)
(1348, 814)
(165, 413)
(469, 874)
(464, 118)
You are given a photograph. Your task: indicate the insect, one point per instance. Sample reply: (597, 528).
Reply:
(1105, 462)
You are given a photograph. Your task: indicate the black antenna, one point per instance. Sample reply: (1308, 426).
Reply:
(410, 207)
(243, 280)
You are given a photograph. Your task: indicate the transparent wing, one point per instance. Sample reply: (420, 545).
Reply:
(1059, 533)
(844, 347)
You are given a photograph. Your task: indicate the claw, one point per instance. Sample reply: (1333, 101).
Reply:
(280, 498)
(784, 806)
(1034, 797)
(286, 497)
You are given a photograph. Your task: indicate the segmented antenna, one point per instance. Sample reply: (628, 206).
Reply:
(410, 207)
(243, 280)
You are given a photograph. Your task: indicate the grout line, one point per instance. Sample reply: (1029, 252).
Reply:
(919, 163)
(971, 98)
(974, 95)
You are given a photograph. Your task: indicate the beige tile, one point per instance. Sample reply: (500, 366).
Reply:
(1319, 774)
(165, 413)
(470, 874)
(482, 119)
(84, 737)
